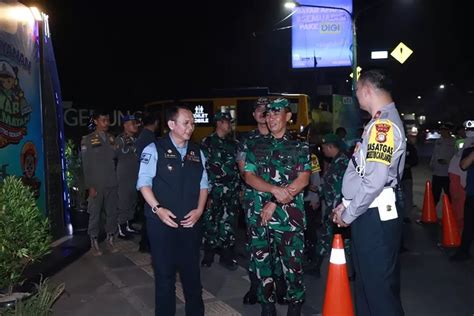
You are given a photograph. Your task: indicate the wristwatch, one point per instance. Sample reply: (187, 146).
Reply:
(156, 208)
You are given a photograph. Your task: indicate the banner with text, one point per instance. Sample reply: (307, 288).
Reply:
(322, 37)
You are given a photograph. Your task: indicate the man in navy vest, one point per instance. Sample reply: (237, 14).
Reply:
(173, 182)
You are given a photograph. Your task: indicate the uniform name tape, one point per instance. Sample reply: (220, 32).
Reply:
(381, 142)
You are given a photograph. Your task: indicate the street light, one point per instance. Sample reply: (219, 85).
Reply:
(294, 4)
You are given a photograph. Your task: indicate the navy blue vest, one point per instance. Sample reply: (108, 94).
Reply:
(176, 184)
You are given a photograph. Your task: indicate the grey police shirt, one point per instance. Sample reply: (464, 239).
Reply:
(377, 159)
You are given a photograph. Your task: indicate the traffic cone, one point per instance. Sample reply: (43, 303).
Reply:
(337, 298)
(451, 236)
(429, 212)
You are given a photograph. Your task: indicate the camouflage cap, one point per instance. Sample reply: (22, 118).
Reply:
(219, 116)
(331, 138)
(262, 101)
(278, 104)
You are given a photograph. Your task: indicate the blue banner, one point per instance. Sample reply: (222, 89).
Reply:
(21, 144)
(322, 37)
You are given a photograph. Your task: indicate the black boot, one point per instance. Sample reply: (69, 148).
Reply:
(315, 269)
(294, 309)
(130, 229)
(268, 309)
(122, 232)
(227, 259)
(280, 285)
(250, 298)
(208, 258)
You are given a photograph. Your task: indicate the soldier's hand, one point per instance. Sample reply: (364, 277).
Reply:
(167, 217)
(92, 192)
(337, 215)
(267, 212)
(282, 195)
(191, 218)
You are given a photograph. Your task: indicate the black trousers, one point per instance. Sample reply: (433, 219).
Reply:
(377, 267)
(468, 230)
(172, 250)
(440, 183)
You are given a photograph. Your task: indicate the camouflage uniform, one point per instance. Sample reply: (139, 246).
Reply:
(248, 197)
(278, 162)
(330, 191)
(219, 219)
(127, 175)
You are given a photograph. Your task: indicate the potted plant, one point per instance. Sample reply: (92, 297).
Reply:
(39, 304)
(77, 202)
(24, 236)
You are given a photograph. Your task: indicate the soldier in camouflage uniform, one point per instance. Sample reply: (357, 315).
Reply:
(278, 169)
(330, 191)
(250, 297)
(98, 164)
(127, 175)
(220, 217)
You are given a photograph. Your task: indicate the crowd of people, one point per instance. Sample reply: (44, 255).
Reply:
(295, 194)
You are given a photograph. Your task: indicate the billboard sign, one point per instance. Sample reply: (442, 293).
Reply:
(322, 37)
(21, 135)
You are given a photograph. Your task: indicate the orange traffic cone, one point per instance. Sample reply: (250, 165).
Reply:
(428, 214)
(451, 236)
(337, 299)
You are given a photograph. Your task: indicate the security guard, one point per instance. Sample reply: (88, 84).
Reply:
(371, 186)
(98, 164)
(127, 174)
(220, 218)
(278, 168)
(250, 297)
(173, 181)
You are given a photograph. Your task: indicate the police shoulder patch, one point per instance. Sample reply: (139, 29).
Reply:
(315, 167)
(381, 142)
(145, 158)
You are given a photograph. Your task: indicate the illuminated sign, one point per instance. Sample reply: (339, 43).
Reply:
(401, 53)
(322, 37)
(200, 116)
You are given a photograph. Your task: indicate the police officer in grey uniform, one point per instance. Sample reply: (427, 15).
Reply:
(98, 164)
(127, 175)
(370, 189)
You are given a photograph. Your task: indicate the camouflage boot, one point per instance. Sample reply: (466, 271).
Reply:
(95, 247)
(111, 243)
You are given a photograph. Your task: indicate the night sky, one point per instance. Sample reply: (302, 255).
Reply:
(119, 56)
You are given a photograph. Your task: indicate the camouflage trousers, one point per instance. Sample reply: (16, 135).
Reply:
(324, 244)
(271, 250)
(277, 267)
(220, 218)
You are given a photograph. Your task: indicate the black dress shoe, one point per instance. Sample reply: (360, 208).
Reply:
(250, 298)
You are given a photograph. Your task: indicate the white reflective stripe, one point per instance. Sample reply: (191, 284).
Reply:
(337, 256)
